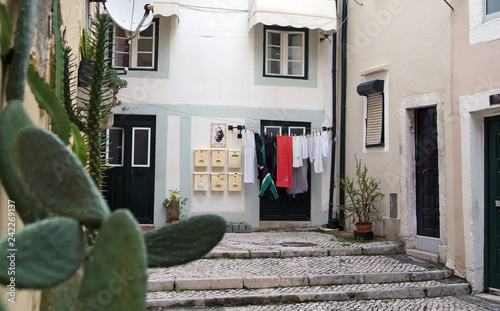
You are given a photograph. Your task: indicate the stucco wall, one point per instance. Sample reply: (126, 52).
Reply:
(407, 44)
(476, 75)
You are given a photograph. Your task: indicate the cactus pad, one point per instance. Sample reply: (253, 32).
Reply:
(115, 275)
(13, 119)
(184, 241)
(56, 177)
(44, 253)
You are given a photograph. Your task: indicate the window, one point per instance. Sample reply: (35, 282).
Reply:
(137, 53)
(484, 20)
(492, 7)
(285, 51)
(374, 122)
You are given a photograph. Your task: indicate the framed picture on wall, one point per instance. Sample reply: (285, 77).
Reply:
(218, 133)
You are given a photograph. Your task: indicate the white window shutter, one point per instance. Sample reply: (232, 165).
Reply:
(375, 120)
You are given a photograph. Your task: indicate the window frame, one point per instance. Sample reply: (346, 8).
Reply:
(132, 149)
(284, 31)
(133, 49)
(108, 144)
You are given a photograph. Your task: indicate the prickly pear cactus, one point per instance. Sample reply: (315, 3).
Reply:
(115, 274)
(44, 178)
(44, 253)
(56, 177)
(179, 243)
(12, 120)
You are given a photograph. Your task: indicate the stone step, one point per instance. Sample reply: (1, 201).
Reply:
(287, 281)
(360, 249)
(301, 294)
(206, 274)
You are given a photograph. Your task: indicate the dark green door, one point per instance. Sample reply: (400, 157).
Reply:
(492, 205)
(287, 207)
(427, 182)
(130, 180)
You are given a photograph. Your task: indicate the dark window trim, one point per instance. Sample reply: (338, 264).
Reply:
(155, 20)
(306, 52)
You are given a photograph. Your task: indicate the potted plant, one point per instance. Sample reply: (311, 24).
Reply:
(362, 192)
(174, 204)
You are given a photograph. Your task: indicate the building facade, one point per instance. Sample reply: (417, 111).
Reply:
(207, 65)
(398, 98)
(474, 117)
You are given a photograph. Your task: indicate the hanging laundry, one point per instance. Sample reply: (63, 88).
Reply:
(310, 147)
(249, 153)
(325, 135)
(265, 177)
(303, 147)
(318, 151)
(270, 154)
(296, 152)
(299, 177)
(284, 153)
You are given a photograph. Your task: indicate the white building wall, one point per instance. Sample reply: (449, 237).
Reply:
(210, 70)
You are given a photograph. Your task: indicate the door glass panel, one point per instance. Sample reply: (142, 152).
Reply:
(140, 146)
(272, 130)
(115, 148)
(296, 130)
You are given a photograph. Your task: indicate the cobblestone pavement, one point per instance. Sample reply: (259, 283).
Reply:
(467, 303)
(273, 241)
(228, 268)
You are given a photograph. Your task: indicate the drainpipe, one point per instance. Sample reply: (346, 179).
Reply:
(334, 124)
(343, 103)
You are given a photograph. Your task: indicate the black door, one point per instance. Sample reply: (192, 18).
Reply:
(130, 180)
(492, 205)
(287, 207)
(426, 158)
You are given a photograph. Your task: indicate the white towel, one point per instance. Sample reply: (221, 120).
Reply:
(310, 147)
(249, 164)
(303, 147)
(296, 154)
(318, 149)
(326, 143)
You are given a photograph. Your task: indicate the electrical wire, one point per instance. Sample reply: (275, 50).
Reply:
(171, 109)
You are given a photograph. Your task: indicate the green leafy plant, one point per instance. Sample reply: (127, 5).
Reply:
(362, 193)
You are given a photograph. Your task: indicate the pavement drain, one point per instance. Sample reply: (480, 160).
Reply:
(299, 244)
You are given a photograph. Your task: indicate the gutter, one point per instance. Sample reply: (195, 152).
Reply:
(334, 126)
(343, 98)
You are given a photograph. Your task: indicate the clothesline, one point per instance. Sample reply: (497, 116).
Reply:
(283, 160)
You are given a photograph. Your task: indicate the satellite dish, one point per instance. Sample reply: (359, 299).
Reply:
(131, 15)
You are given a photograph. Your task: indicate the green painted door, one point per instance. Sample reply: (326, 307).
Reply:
(287, 207)
(130, 179)
(492, 204)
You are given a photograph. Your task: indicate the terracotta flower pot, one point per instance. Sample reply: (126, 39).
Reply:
(363, 228)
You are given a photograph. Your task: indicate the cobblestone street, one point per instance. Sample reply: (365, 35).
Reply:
(267, 271)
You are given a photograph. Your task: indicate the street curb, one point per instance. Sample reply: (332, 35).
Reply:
(392, 249)
(287, 281)
(281, 298)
